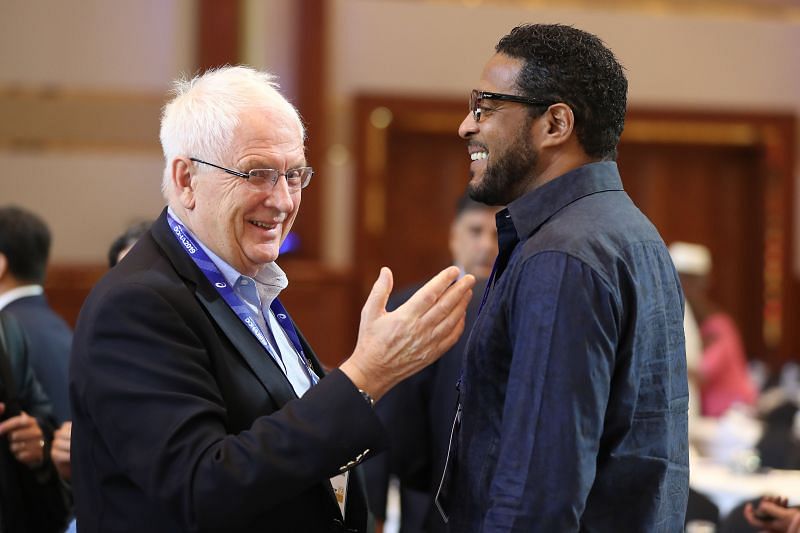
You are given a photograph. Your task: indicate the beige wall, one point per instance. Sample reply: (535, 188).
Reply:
(114, 45)
(713, 61)
(120, 49)
(407, 47)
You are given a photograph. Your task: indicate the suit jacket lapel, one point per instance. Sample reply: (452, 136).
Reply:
(260, 362)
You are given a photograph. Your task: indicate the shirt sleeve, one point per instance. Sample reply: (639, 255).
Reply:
(563, 327)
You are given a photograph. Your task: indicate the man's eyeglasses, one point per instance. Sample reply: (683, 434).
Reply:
(477, 97)
(296, 178)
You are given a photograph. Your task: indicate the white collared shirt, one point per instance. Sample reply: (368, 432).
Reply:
(258, 294)
(19, 292)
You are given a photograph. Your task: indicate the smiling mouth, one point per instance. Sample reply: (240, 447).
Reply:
(262, 225)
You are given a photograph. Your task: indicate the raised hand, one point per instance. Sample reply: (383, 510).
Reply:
(393, 346)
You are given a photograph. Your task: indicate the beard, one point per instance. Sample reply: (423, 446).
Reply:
(506, 178)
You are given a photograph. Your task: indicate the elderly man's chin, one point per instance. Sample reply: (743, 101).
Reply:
(262, 254)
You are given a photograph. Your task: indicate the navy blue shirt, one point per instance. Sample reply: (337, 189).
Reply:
(574, 393)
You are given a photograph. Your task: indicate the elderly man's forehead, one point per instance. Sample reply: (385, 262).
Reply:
(266, 133)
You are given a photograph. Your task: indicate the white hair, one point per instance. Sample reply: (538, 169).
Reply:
(205, 111)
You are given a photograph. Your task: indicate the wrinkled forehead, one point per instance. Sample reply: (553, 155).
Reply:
(271, 128)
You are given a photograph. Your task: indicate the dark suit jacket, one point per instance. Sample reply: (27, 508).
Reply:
(31, 499)
(48, 338)
(418, 416)
(182, 422)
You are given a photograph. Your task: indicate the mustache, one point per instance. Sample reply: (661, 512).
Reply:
(478, 145)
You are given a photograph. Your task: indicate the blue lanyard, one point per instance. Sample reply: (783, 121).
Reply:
(212, 273)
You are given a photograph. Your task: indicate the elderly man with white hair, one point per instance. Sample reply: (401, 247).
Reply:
(198, 405)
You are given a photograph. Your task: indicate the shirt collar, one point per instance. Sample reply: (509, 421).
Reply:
(19, 292)
(531, 210)
(269, 281)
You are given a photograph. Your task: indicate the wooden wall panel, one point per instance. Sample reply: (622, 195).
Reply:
(712, 196)
(68, 285)
(412, 168)
(218, 33)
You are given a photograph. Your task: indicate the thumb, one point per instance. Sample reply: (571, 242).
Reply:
(378, 296)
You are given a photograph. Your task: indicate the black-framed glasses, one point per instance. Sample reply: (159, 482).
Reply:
(296, 178)
(476, 97)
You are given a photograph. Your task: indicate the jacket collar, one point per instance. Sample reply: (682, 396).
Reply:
(263, 366)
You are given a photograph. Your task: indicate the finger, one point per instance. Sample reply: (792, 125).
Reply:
(750, 516)
(26, 450)
(772, 508)
(61, 444)
(59, 456)
(29, 433)
(448, 331)
(378, 296)
(13, 423)
(448, 317)
(451, 300)
(451, 335)
(64, 431)
(454, 315)
(429, 294)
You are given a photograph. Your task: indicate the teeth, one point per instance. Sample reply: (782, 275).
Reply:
(260, 224)
(478, 155)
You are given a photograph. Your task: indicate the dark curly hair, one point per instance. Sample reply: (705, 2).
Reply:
(25, 241)
(568, 65)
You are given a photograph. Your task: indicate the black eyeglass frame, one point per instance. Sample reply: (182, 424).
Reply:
(248, 175)
(476, 96)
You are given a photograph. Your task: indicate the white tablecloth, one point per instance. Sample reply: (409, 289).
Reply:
(728, 489)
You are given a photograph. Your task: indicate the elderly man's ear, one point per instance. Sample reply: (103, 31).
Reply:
(3, 266)
(183, 182)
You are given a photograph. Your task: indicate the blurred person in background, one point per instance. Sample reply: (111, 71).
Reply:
(32, 499)
(722, 375)
(24, 251)
(123, 244)
(417, 412)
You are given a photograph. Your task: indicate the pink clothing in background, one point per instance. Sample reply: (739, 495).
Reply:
(723, 369)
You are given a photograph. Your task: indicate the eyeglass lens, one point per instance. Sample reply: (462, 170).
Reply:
(295, 178)
(475, 105)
